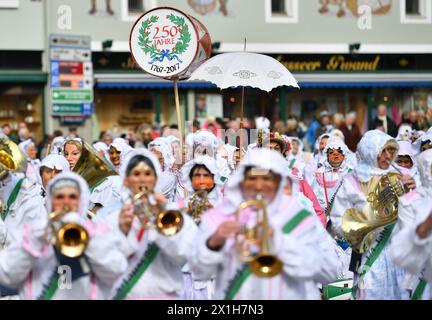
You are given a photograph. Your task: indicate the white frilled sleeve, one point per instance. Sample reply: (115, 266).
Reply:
(412, 253)
(177, 247)
(18, 258)
(107, 261)
(308, 252)
(204, 262)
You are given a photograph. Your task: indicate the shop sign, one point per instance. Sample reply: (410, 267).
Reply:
(165, 42)
(85, 109)
(72, 120)
(72, 95)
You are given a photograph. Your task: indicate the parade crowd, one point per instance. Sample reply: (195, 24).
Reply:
(295, 212)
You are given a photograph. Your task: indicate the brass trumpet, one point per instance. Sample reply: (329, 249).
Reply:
(263, 264)
(71, 239)
(197, 205)
(166, 222)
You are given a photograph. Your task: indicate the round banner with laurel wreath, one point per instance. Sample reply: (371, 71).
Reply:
(164, 42)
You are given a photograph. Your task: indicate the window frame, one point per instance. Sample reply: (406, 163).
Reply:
(127, 16)
(425, 17)
(9, 4)
(270, 18)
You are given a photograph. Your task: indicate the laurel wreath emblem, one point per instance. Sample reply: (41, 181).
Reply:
(155, 53)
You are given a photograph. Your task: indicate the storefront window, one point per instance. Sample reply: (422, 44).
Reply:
(22, 103)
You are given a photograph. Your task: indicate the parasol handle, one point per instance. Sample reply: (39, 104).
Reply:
(177, 103)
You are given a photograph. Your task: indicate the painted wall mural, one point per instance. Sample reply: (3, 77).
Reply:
(341, 7)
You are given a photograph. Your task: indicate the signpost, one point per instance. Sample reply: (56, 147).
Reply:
(71, 78)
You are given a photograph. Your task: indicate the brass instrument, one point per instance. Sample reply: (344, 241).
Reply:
(11, 157)
(92, 167)
(71, 239)
(262, 264)
(197, 205)
(11, 160)
(91, 213)
(382, 210)
(166, 222)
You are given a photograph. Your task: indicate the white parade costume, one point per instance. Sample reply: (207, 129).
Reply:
(328, 179)
(154, 260)
(305, 252)
(408, 250)
(384, 279)
(30, 264)
(195, 289)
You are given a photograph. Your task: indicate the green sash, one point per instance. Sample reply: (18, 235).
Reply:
(291, 165)
(13, 196)
(385, 236)
(98, 184)
(245, 272)
(127, 286)
(418, 292)
(51, 288)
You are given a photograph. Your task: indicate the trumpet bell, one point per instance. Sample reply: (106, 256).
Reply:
(72, 240)
(169, 222)
(265, 265)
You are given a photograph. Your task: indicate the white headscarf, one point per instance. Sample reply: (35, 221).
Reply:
(121, 146)
(207, 139)
(25, 145)
(83, 188)
(406, 149)
(424, 163)
(159, 187)
(209, 163)
(337, 134)
(262, 158)
(336, 143)
(100, 146)
(404, 133)
(57, 145)
(163, 146)
(369, 148)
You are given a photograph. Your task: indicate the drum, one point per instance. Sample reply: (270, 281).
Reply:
(169, 44)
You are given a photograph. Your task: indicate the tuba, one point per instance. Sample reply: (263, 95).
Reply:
(70, 239)
(382, 210)
(11, 157)
(263, 264)
(92, 167)
(166, 222)
(11, 160)
(197, 205)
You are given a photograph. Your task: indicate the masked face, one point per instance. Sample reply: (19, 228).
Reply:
(160, 157)
(72, 154)
(140, 176)
(322, 144)
(47, 174)
(65, 198)
(335, 157)
(258, 181)
(386, 157)
(202, 179)
(404, 162)
(275, 146)
(114, 156)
